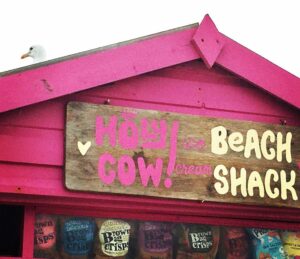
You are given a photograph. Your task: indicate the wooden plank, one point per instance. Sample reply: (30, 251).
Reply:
(197, 71)
(43, 186)
(31, 180)
(155, 89)
(214, 100)
(28, 232)
(34, 144)
(260, 72)
(73, 75)
(239, 98)
(48, 115)
(188, 167)
(29, 145)
(95, 50)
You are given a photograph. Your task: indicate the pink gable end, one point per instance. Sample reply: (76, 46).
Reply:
(85, 71)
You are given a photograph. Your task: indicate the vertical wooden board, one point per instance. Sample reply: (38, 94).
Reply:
(28, 232)
(191, 169)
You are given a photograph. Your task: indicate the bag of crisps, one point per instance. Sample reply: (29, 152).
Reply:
(197, 241)
(155, 240)
(291, 243)
(45, 236)
(77, 237)
(267, 244)
(112, 239)
(234, 244)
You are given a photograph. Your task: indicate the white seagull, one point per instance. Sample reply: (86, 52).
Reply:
(36, 52)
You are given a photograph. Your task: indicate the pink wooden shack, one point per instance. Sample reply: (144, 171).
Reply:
(193, 70)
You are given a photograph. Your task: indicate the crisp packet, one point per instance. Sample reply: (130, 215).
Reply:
(45, 236)
(267, 244)
(291, 243)
(197, 241)
(234, 244)
(155, 240)
(112, 239)
(77, 237)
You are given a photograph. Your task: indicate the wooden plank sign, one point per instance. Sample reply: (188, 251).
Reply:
(144, 152)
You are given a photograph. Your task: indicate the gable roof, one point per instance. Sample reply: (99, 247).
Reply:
(97, 67)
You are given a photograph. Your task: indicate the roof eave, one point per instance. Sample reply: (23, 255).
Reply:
(119, 61)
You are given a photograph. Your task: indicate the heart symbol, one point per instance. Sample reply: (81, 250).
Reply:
(83, 148)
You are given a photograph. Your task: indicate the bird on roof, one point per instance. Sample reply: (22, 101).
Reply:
(36, 52)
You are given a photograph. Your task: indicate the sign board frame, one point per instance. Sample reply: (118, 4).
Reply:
(124, 150)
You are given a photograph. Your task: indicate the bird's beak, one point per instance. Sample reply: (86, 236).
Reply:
(26, 55)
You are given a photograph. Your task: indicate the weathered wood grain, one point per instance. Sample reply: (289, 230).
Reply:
(82, 171)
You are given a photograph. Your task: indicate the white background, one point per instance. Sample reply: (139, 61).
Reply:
(268, 27)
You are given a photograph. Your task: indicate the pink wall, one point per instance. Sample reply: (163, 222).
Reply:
(32, 138)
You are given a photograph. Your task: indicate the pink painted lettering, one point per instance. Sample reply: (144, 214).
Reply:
(128, 132)
(149, 134)
(150, 171)
(109, 177)
(109, 130)
(126, 170)
(193, 169)
(154, 136)
(193, 143)
(172, 153)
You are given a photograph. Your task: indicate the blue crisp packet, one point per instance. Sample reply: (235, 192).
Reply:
(267, 244)
(78, 236)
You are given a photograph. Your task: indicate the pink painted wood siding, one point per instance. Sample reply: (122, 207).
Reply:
(32, 140)
(45, 122)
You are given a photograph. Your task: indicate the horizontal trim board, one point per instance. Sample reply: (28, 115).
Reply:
(25, 184)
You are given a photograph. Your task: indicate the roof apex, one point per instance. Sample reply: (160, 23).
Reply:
(208, 41)
(97, 67)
